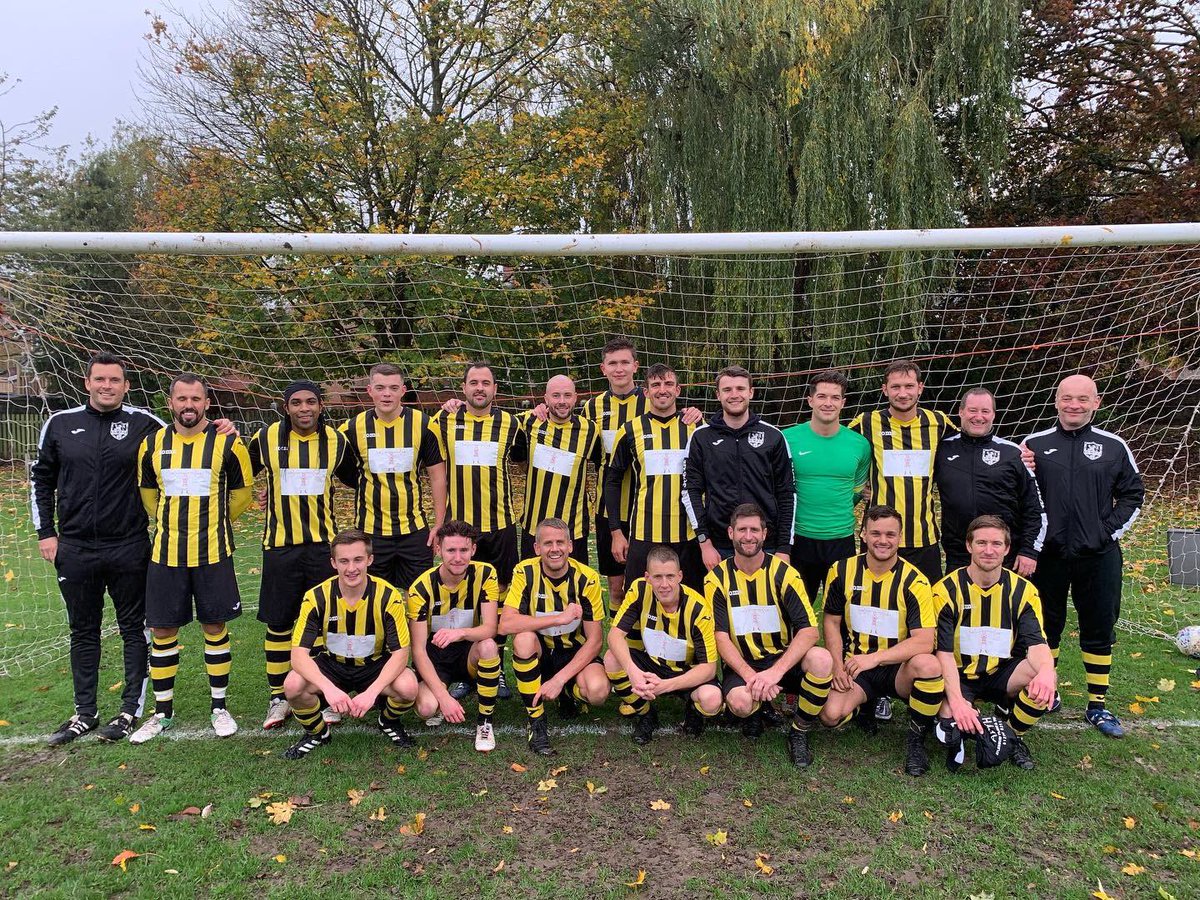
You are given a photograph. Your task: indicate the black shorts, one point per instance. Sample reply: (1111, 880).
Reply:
(401, 558)
(813, 557)
(928, 559)
(500, 549)
(690, 561)
(551, 662)
(351, 679)
(579, 548)
(646, 663)
(990, 688)
(606, 564)
(450, 662)
(287, 573)
(879, 682)
(170, 591)
(789, 683)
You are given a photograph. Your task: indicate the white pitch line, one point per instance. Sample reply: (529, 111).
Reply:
(190, 733)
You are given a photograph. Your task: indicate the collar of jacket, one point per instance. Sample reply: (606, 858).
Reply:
(1073, 433)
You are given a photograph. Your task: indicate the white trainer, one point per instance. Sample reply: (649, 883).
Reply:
(151, 728)
(331, 717)
(277, 712)
(435, 720)
(485, 737)
(223, 723)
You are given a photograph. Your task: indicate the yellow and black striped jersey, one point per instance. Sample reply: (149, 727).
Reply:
(430, 600)
(556, 483)
(610, 412)
(760, 612)
(654, 449)
(902, 457)
(193, 476)
(390, 456)
(477, 450)
(353, 635)
(878, 611)
(678, 640)
(984, 628)
(300, 481)
(533, 593)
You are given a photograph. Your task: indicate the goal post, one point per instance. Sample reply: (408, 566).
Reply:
(1012, 309)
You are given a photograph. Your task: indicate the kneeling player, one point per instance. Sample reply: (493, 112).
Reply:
(991, 642)
(453, 608)
(880, 628)
(351, 637)
(554, 612)
(662, 643)
(766, 634)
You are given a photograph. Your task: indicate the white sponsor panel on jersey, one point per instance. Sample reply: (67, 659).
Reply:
(455, 618)
(552, 459)
(476, 453)
(302, 482)
(187, 482)
(755, 620)
(390, 460)
(981, 640)
(906, 463)
(556, 630)
(661, 645)
(351, 646)
(609, 436)
(665, 462)
(883, 623)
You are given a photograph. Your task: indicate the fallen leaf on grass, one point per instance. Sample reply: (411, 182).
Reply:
(422, 754)
(1189, 853)
(1166, 685)
(400, 770)
(507, 829)
(416, 826)
(280, 858)
(748, 804)
(12, 864)
(554, 773)
(593, 788)
(1057, 796)
(1162, 892)
(1085, 763)
(499, 867)
(135, 808)
(704, 770)
(146, 827)
(1137, 708)
(988, 895)
(1108, 849)
(518, 768)
(1140, 699)
(1196, 685)
(170, 871)
(1129, 822)
(927, 814)
(380, 815)
(760, 863)
(639, 881)
(1102, 894)
(281, 813)
(356, 796)
(659, 804)
(548, 785)
(717, 839)
(896, 816)
(1132, 868)
(122, 858)
(847, 799)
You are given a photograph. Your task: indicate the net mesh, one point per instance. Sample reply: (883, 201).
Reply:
(1012, 320)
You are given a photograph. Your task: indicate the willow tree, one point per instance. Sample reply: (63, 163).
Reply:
(818, 115)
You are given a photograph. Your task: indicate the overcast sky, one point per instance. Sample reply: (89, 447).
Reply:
(79, 55)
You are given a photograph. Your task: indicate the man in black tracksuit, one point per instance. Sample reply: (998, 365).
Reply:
(1093, 493)
(91, 524)
(979, 474)
(738, 458)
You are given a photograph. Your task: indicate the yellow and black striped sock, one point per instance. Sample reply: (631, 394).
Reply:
(529, 682)
(487, 683)
(1096, 668)
(810, 699)
(277, 647)
(623, 688)
(925, 700)
(393, 708)
(1024, 713)
(1054, 655)
(310, 718)
(708, 715)
(218, 660)
(164, 666)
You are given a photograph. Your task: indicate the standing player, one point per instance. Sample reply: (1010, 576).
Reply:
(990, 642)
(453, 608)
(194, 482)
(1093, 492)
(391, 445)
(880, 628)
(610, 410)
(831, 464)
(85, 477)
(301, 456)
(560, 447)
(904, 440)
(737, 458)
(766, 634)
(351, 637)
(653, 449)
(554, 612)
(662, 643)
(979, 474)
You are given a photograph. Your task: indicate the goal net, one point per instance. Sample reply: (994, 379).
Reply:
(1013, 310)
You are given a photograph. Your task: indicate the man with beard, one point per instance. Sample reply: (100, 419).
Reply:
(194, 482)
(301, 456)
(880, 626)
(555, 614)
(766, 634)
(979, 474)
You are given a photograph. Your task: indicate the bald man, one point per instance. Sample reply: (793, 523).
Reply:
(1092, 493)
(560, 448)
